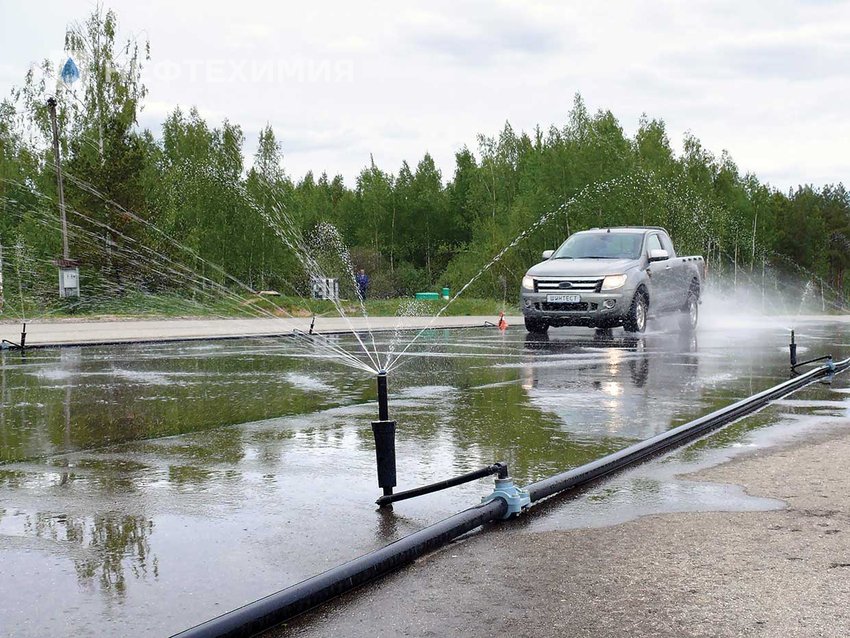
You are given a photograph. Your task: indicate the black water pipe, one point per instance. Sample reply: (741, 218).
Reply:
(501, 469)
(805, 363)
(284, 605)
(585, 474)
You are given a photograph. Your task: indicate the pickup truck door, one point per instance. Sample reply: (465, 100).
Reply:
(661, 276)
(679, 275)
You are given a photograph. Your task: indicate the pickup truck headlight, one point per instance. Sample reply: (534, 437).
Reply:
(612, 282)
(528, 283)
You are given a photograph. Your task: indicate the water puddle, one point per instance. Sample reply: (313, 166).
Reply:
(663, 486)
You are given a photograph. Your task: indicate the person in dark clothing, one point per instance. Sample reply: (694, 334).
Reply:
(362, 283)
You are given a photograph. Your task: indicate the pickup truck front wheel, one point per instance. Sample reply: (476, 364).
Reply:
(536, 326)
(636, 319)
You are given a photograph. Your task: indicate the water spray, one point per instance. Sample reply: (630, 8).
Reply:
(384, 432)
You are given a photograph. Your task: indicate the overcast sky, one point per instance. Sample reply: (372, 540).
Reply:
(769, 81)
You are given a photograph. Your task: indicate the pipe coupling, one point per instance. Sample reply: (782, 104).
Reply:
(517, 499)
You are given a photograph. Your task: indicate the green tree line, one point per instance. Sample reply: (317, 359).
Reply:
(181, 208)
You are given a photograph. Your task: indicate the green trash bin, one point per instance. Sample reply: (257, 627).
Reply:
(446, 293)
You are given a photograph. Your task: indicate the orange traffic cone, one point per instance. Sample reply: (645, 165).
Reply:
(503, 325)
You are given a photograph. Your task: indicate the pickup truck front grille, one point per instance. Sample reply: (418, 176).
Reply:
(568, 284)
(547, 306)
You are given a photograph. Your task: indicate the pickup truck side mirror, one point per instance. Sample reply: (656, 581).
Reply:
(658, 254)
(548, 253)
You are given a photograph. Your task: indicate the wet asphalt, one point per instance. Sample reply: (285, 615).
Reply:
(146, 488)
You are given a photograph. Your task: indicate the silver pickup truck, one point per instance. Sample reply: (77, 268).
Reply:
(607, 277)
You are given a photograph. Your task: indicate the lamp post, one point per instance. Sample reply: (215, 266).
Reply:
(51, 107)
(69, 272)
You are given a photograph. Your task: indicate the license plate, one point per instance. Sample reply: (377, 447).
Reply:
(563, 298)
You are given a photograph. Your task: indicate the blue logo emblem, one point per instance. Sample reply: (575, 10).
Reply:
(70, 72)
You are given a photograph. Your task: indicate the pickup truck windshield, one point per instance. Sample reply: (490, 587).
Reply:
(601, 246)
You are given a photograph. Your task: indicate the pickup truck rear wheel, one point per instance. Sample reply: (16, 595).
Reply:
(636, 319)
(690, 313)
(536, 326)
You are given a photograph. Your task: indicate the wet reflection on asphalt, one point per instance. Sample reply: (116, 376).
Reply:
(146, 488)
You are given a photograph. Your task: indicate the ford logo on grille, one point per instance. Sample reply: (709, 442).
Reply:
(565, 284)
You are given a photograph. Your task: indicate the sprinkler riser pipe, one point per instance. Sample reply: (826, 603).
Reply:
(384, 432)
(23, 337)
(383, 401)
(792, 349)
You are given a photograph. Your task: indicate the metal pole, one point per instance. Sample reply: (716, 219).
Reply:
(51, 107)
(2, 299)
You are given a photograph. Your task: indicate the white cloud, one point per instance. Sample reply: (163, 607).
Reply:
(340, 80)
